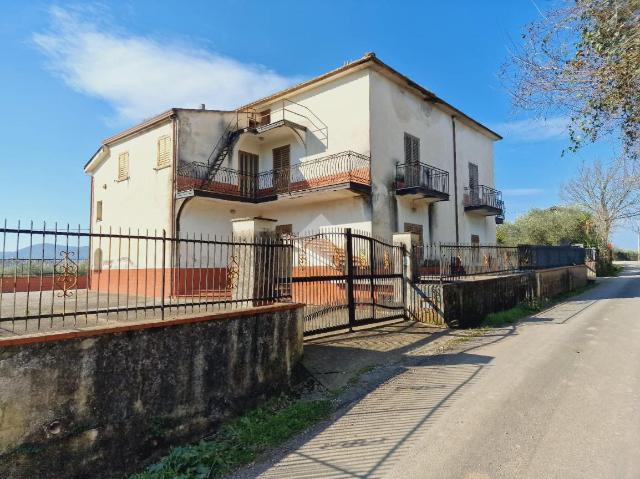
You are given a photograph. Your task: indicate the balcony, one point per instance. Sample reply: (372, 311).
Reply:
(422, 180)
(347, 170)
(483, 200)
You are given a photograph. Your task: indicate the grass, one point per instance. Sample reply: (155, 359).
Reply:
(240, 441)
(513, 315)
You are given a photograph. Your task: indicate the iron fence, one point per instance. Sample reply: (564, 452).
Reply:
(52, 278)
(421, 176)
(443, 262)
(542, 256)
(343, 167)
(483, 196)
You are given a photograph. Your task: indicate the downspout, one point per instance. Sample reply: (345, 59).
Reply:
(455, 177)
(91, 258)
(429, 221)
(174, 180)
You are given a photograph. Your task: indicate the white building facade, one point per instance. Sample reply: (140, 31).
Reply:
(361, 147)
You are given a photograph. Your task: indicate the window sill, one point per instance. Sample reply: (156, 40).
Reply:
(164, 167)
(120, 180)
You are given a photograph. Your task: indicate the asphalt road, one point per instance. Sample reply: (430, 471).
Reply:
(558, 396)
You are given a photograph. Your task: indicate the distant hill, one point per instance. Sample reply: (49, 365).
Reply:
(51, 251)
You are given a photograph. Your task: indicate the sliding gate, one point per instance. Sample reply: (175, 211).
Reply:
(346, 279)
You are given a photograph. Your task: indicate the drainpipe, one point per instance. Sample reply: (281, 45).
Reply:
(455, 177)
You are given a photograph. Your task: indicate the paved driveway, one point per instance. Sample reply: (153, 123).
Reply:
(558, 396)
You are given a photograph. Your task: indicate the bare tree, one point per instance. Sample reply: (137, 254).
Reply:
(609, 192)
(582, 60)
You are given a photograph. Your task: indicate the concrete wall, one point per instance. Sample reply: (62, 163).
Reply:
(554, 281)
(213, 217)
(465, 304)
(98, 403)
(198, 133)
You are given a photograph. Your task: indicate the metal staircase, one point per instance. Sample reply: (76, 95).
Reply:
(221, 150)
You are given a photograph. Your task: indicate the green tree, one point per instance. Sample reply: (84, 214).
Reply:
(551, 226)
(582, 60)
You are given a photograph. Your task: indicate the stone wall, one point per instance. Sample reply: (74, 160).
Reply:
(555, 281)
(465, 304)
(98, 403)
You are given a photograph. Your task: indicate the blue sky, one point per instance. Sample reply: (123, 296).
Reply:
(76, 73)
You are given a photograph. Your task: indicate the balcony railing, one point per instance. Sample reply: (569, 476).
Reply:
(345, 168)
(484, 199)
(422, 179)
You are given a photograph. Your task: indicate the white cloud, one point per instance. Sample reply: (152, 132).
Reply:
(534, 129)
(522, 191)
(140, 76)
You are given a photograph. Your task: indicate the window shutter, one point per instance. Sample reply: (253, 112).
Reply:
(411, 149)
(164, 151)
(99, 210)
(123, 166)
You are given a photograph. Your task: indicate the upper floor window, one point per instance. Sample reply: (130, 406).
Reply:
(473, 176)
(411, 149)
(123, 166)
(99, 210)
(164, 151)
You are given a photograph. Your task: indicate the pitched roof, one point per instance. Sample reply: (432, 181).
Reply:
(370, 59)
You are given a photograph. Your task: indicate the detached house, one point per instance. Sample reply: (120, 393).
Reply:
(361, 146)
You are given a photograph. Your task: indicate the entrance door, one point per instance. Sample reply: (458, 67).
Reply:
(248, 173)
(281, 168)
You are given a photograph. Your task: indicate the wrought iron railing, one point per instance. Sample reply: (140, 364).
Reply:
(442, 262)
(423, 176)
(481, 195)
(101, 276)
(339, 168)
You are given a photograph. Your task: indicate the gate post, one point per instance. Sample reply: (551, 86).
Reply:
(409, 268)
(350, 291)
(254, 263)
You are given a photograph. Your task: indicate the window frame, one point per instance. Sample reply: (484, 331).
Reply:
(169, 152)
(98, 210)
(123, 173)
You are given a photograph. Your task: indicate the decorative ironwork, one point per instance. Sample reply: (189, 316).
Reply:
(386, 261)
(302, 257)
(362, 259)
(338, 259)
(66, 274)
(233, 272)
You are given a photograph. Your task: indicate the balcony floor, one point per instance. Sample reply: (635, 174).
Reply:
(341, 190)
(483, 210)
(422, 193)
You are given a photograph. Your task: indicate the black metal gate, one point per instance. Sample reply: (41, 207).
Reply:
(347, 279)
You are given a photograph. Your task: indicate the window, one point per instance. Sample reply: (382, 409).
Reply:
(473, 176)
(281, 167)
(164, 151)
(123, 166)
(414, 228)
(282, 230)
(475, 240)
(411, 149)
(99, 210)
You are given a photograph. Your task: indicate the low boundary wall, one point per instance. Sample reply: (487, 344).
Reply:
(465, 304)
(99, 402)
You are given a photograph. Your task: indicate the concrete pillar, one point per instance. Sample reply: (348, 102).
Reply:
(409, 240)
(255, 262)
